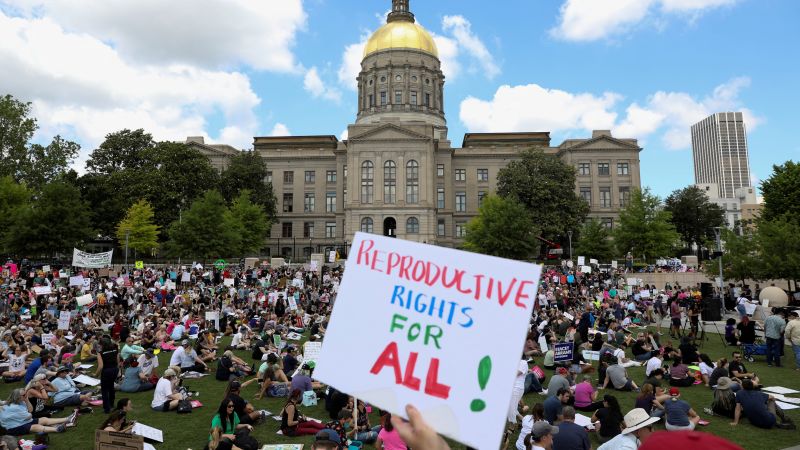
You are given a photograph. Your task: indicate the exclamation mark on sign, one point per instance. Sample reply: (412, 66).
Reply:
(484, 371)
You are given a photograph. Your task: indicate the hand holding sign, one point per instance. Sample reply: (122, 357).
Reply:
(431, 309)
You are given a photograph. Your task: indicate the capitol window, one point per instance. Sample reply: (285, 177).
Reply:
(367, 181)
(412, 225)
(412, 182)
(367, 225)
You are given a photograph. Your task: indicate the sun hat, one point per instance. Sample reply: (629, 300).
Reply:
(541, 429)
(668, 440)
(637, 418)
(169, 373)
(724, 383)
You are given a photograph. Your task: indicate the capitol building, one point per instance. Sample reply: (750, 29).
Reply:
(398, 173)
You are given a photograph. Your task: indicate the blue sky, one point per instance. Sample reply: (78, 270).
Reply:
(647, 69)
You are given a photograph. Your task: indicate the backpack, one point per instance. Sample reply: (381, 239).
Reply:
(244, 441)
(184, 407)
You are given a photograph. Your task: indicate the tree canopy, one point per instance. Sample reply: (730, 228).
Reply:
(248, 171)
(594, 241)
(207, 229)
(780, 192)
(545, 186)
(644, 227)
(502, 228)
(137, 229)
(693, 215)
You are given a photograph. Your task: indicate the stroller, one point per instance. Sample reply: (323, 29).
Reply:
(758, 348)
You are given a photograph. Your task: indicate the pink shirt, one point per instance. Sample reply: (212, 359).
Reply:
(391, 440)
(583, 394)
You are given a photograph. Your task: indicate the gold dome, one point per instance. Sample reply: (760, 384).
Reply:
(401, 34)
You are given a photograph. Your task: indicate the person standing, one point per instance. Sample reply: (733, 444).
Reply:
(519, 389)
(108, 370)
(675, 316)
(774, 327)
(792, 334)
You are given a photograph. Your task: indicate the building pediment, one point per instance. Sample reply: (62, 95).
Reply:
(389, 132)
(600, 143)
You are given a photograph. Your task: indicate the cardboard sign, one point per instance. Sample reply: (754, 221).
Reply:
(76, 281)
(111, 440)
(613, 264)
(63, 320)
(42, 290)
(562, 352)
(84, 300)
(228, 282)
(431, 309)
(581, 260)
(186, 277)
(332, 256)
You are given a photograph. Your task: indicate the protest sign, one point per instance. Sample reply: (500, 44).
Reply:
(311, 351)
(76, 281)
(276, 339)
(581, 260)
(313, 266)
(63, 320)
(91, 260)
(431, 309)
(593, 261)
(631, 282)
(562, 351)
(332, 256)
(42, 290)
(45, 269)
(292, 303)
(613, 264)
(84, 300)
(586, 269)
(139, 265)
(228, 282)
(568, 316)
(46, 338)
(186, 277)
(644, 293)
(298, 283)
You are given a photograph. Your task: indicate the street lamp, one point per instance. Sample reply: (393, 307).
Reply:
(569, 233)
(127, 235)
(721, 280)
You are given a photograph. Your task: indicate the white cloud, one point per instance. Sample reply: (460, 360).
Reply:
(345, 134)
(280, 130)
(461, 29)
(351, 63)
(314, 85)
(535, 108)
(448, 55)
(202, 33)
(83, 88)
(666, 114)
(589, 20)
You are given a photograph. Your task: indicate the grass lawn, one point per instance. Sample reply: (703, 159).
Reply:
(190, 431)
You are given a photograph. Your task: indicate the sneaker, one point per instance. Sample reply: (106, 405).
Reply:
(263, 414)
(72, 418)
(61, 428)
(708, 411)
(786, 426)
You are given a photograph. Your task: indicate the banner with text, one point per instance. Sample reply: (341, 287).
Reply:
(91, 260)
(445, 333)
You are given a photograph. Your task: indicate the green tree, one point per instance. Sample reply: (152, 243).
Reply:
(14, 200)
(693, 216)
(137, 228)
(780, 192)
(740, 259)
(644, 227)
(119, 151)
(778, 242)
(594, 241)
(206, 230)
(545, 185)
(502, 228)
(32, 164)
(248, 171)
(58, 221)
(252, 221)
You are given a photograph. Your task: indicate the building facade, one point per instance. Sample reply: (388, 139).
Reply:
(398, 173)
(719, 148)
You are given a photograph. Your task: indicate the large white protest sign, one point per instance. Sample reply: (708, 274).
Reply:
(431, 310)
(227, 282)
(581, 260)
(311, 351)
(84, 300)
(292, 303)
(76, 281)
(63, 320)
(91, 260)
(613, 264)
(42, 290)
(186, 277)
(46, 338)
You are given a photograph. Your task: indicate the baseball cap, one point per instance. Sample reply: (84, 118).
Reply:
(327, 436)
(185, 342)
(542, 429)
(67, 355)
(62, 369)
(149, 352)
(673, 391)
(668, 440)
(561, 370)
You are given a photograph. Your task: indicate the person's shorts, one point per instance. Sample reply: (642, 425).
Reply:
(22, 429)
(164, 407)
(676, 322)
(72, 400)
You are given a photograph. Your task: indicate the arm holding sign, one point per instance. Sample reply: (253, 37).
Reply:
(416, 433)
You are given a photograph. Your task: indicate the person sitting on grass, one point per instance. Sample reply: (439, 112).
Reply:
(230, 366)
(135, 380)
(244, 409)
(165, 398)
(37, 391)
(618, 377)
(293, 423)
(679, 374)
(275, 383)
(759, 408)
(344, 427)
(328, 439)
(186, 358)
(366, 433)
(724, 402)
(67, 393)
(16, 418)
(117, 422)
(608, 419)
(680, 415)
(16, 364)
(226, 424)
(738, 371)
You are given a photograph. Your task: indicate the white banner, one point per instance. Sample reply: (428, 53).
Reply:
(91, 260)
(63, 320)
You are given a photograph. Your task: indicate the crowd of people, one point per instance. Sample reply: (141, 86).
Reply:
(187, 311)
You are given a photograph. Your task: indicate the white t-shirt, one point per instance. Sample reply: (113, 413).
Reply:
(705, 369)
(16, 363)
(162, 393)
(147, 365)
(527, 426)
(522, 371)
(619, 354)
(237, 339)
(652, 364)
(175, 359)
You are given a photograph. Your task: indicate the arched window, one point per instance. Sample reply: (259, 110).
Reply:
(412, 182)
(366, 225)
(412, 225)
(389, 182)
(367, 182)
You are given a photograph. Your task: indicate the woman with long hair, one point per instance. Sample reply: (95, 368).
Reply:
(388, 437)
(536, 415)
(292, 422)
(679, 374)
(227, 422)
(608, 419)
(648, 401)
(117, 421)
(706, 368)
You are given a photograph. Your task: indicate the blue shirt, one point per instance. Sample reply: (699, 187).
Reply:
(754, 404)
(677, 412)
(31, 371)
(552, 409)
(15, 415)
(66, 388)
(571, 437)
